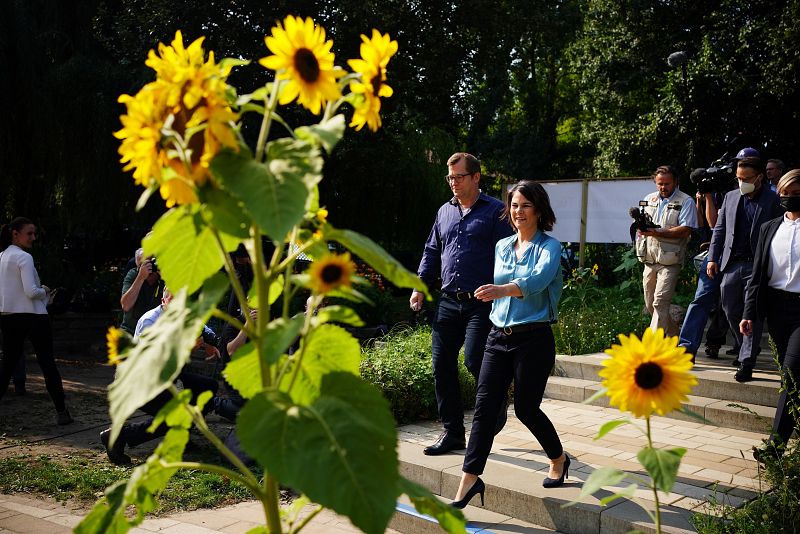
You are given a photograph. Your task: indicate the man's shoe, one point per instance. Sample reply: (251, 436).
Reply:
(63, 417)
(712, 352)
(731, 352)
(445, 444)
(744, 374)
(735, 362)
(502, 417)
(116, 454)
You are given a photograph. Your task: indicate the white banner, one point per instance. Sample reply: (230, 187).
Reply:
(607, 218)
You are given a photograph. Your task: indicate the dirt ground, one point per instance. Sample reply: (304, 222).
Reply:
(28, 423)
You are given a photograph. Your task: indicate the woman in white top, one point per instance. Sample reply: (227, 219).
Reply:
(774, 293)
(23, 312)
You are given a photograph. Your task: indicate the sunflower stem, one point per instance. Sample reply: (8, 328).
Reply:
(655, 489)
(270, 106)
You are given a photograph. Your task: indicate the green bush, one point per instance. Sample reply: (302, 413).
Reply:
(594, 327)
(400, 366)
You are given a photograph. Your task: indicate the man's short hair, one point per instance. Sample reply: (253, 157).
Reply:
(666, 169)
(781, 165)
(473, 164)
(788, 179)
(752, 163)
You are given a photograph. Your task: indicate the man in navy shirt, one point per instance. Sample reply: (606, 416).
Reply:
(459, 252)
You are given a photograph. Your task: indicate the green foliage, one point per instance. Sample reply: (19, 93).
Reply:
(400, 366)
(82, 479)
(594, 328)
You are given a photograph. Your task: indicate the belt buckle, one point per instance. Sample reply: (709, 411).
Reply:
(507, 330)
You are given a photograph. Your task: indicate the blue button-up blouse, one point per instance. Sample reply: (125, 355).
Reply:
(538, 276)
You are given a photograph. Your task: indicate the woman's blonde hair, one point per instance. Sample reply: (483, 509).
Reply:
(788, 179)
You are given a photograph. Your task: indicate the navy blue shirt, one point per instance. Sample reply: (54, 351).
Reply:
(745, 215)
(460, 249)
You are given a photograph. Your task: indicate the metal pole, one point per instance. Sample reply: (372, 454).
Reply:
(584, 209)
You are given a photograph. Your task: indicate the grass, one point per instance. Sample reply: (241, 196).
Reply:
(84, 480)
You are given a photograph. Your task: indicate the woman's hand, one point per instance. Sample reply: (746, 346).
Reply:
(489, 292)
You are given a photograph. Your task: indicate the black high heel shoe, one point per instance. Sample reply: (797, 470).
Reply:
(477, 487)
(556, 482)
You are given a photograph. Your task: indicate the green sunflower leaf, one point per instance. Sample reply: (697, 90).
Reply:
(326, 133)
(326, 349)
(185, 248)
(449, 518)
(662, 465)
(605, 476)
(337, 314)
(275, 202)
(348, 433)
(611, 425)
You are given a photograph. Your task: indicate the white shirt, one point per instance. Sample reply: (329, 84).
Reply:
(784, 256)
(20, 288)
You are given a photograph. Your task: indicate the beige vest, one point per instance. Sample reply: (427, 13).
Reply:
(664, 251)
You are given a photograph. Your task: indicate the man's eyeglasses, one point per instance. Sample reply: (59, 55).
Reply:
(457, 178)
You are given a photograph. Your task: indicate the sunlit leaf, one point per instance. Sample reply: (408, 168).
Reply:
(662, 465)
(449, 518)
(347, 434)
(326, 133)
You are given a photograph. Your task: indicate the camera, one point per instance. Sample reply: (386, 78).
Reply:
(153, 265)
(719, 177)
(641, 220)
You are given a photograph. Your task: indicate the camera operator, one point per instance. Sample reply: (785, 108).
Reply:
(663, 249)
(142, 290)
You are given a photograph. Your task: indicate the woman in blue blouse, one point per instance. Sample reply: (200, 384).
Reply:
(520, 346)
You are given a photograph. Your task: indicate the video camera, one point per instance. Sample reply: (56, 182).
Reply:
(641, 220)
(720, 176)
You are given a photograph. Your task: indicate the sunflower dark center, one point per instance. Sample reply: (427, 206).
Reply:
(307, 65)
(649, 375)
(376, 83)
(331, 274)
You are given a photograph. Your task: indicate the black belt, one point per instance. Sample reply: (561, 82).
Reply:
(518, 328)
(748, 259)
(460, 295)
(785, 295)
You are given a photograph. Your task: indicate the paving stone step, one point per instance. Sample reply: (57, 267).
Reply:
(723, 413)
(717, 467)
(715, 378)
(480, 520)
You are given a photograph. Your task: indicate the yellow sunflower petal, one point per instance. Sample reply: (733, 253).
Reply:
(647, 375)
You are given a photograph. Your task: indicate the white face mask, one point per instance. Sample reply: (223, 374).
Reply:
(746, 188)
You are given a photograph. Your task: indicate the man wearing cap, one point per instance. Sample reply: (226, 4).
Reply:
(663, 249)
(775, 169)
(732, 247)
(459, 252)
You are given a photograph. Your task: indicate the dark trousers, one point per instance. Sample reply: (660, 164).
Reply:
(16, 328)
(457, 323)
(526, 358)
(734, 281)
(783, 320)
(136, 433)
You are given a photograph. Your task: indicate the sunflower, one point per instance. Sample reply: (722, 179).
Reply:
(331, 272)
(304, 57)
(118, 342)
(647, 375)
(375, 54)
(190, 98)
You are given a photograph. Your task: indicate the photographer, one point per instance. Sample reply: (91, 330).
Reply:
(142, 290)
(663, 249)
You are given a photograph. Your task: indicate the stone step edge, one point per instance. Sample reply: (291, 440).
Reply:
(714, 384)
(753, 418)
(406, 513)
(617, 517)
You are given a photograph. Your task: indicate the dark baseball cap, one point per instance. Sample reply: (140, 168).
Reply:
(747, 152)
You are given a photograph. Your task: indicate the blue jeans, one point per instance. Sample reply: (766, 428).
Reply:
(705, 299)
(457, 323)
